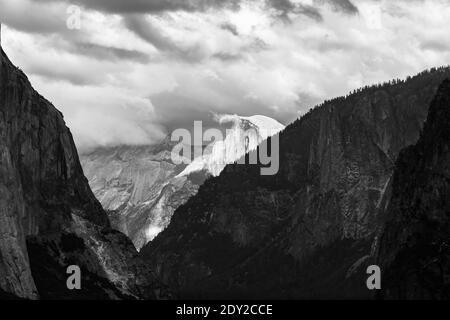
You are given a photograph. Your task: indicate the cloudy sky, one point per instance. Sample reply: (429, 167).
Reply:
(135, 70)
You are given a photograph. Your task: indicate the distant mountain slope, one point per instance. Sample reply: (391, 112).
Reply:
(139, 187)
(49, 217)
(414, 249)
(306, 232)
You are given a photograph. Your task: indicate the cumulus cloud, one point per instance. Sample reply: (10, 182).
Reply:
(138, 69)
(103, 116)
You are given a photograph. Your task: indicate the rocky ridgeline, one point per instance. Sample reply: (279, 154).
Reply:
(310, 230)
(49, 218)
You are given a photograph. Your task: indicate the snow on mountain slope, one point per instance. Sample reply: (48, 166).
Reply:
(245, 135)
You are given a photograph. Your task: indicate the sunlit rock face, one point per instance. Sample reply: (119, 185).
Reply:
(138, 187)
(245, 134)
(308, 231)
(49, 217)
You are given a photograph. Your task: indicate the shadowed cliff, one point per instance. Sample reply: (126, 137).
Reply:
(49, 218)
(414, 249)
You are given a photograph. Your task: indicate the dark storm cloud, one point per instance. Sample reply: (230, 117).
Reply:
(258, 44)
(345, 6)
(193, 52)
(58, 75)
(309, 11)
(27, 17)
(227, 57)
(282, 7)
(180, 110)
(286, 7)
(147, 31)
(435, 45)
(101, 52)
(230, 27)
(150, 33)
(34, 25)
(152, 6)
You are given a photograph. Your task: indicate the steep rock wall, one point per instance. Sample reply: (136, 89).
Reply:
(49, 218)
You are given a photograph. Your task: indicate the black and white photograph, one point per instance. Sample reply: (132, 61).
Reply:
(213, 157)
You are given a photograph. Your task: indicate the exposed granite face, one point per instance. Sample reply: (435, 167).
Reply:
(307, 231)
(47, 207)
(414, 247)
(138, 187)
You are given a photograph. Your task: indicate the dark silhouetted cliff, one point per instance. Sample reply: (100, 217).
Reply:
(414, 249)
